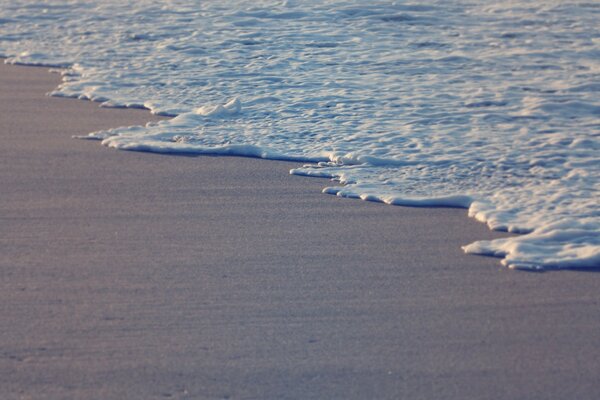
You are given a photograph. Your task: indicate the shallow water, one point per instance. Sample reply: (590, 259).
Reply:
(495, 108)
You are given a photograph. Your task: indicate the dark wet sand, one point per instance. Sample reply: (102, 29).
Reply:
(141, 276)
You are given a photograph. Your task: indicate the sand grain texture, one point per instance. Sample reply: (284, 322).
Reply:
(141, 276)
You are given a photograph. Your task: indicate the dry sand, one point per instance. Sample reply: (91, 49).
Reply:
(141, 276)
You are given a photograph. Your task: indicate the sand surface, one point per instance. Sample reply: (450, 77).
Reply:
(139, 276)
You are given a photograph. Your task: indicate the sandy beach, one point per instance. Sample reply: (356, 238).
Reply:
(144, 276)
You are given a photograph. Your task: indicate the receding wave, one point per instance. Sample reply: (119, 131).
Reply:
(488, 106)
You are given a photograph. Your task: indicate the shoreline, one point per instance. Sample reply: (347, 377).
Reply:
(447, 202)
(140, 275)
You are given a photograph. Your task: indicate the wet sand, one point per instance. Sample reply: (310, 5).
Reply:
(145, 276)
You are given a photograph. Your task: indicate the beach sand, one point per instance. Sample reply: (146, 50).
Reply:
(141, 276)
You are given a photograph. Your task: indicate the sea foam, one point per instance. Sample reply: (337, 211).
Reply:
(494, 107)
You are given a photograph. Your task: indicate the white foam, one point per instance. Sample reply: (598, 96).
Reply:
(488, 106)
(229, 109)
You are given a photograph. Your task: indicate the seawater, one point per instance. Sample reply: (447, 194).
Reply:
(491, 106)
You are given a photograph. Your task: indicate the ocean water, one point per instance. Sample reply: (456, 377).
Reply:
(490, 106)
